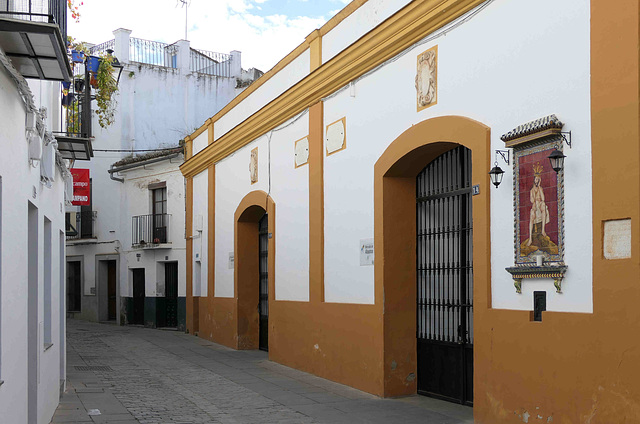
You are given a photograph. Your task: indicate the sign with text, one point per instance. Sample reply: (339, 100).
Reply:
(366, 252)
(81, 187)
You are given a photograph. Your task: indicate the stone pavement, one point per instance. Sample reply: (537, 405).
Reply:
(139, 375)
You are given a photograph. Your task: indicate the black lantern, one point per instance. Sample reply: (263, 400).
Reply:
(557, 160)
(496, 175)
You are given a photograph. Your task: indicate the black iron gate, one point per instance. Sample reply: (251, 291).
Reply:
(171, 293)
(263, 305)
(445, 278)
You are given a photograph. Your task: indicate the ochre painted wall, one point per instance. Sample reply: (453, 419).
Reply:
(569, 368)
(582, 368)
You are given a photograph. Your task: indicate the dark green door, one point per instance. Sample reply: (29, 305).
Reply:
(171, 293)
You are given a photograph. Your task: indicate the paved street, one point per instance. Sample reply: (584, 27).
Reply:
(139, 375)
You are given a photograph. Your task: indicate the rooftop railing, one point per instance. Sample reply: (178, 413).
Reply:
(153, 53)
(50, 11)
(210, 63)
(101, 49)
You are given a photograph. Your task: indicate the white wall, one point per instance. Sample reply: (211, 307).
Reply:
(200, 142)
(139, 202)
(233, 182)
(289, 191)
(489, 69)
(20, 185)
(200, 214)
(361, 21)
(276, 85)
(496, 80)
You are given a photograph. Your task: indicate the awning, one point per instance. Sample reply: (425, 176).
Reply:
(36, 49)
(74, 148)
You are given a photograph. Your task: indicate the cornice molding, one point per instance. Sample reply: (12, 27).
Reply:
(406, 27)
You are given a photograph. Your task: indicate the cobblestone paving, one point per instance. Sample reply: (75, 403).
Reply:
(140, 375)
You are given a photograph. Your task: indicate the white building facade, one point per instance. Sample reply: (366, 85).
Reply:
(34, 189)
(135, 246)
(348, 194)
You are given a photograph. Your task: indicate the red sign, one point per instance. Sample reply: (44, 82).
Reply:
(81, 187)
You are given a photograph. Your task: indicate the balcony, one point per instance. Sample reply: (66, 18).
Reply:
(80, 225)
(33, 36)
(150, 231)
(74, 139)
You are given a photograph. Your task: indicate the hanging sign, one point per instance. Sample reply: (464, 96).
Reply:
(81, 187)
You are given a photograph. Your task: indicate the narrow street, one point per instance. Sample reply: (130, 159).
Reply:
(133, 374)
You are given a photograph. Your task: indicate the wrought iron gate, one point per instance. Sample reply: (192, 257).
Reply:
(263, 305)
(445, 278)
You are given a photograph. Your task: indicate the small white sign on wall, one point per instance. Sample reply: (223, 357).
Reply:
(231, 260)
(617, 239)
(335, 136)
(302, 152)
(366, 252)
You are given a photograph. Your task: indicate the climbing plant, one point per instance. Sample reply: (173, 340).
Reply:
(106, 88)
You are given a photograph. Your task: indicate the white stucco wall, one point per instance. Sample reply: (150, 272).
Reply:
(276, 85)
(497, 81)
(138, 201)
(290, 192)
(361, 21)
(200, 142)
(487, 71)
(200, 233)
(20, 184)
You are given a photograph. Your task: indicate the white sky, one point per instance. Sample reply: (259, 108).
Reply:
(263, 30)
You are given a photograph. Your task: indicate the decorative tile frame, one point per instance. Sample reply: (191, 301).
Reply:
(525, 160)
(538, 195)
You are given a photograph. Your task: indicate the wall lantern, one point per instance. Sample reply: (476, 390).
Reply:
(557, 157)
(496, 172)
(557, 160)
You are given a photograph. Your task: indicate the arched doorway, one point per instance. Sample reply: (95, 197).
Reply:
(444, 277)
(396, 227)
(254, 268)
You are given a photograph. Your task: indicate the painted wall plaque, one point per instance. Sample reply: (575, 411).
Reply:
(538, 205)
(253, 166)
(427, 78)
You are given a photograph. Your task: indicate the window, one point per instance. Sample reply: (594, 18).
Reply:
(159, 205)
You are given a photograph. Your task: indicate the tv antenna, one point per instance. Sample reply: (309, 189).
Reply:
(185, 4)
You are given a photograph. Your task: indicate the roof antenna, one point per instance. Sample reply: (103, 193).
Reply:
(185, 4)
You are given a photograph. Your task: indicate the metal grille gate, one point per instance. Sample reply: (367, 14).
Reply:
(263, 305)
(445, 277)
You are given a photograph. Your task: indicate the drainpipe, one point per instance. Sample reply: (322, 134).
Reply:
(113, 170)
(114, 178)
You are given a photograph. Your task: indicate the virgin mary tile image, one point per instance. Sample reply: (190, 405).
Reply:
(538, 205)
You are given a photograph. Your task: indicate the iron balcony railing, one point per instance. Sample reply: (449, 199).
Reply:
(80, 225)
(150, 230)
(51, 11)
(101, 49)
(153, 53)
(210, 63)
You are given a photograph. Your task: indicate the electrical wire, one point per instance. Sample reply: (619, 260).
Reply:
(137, 150)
